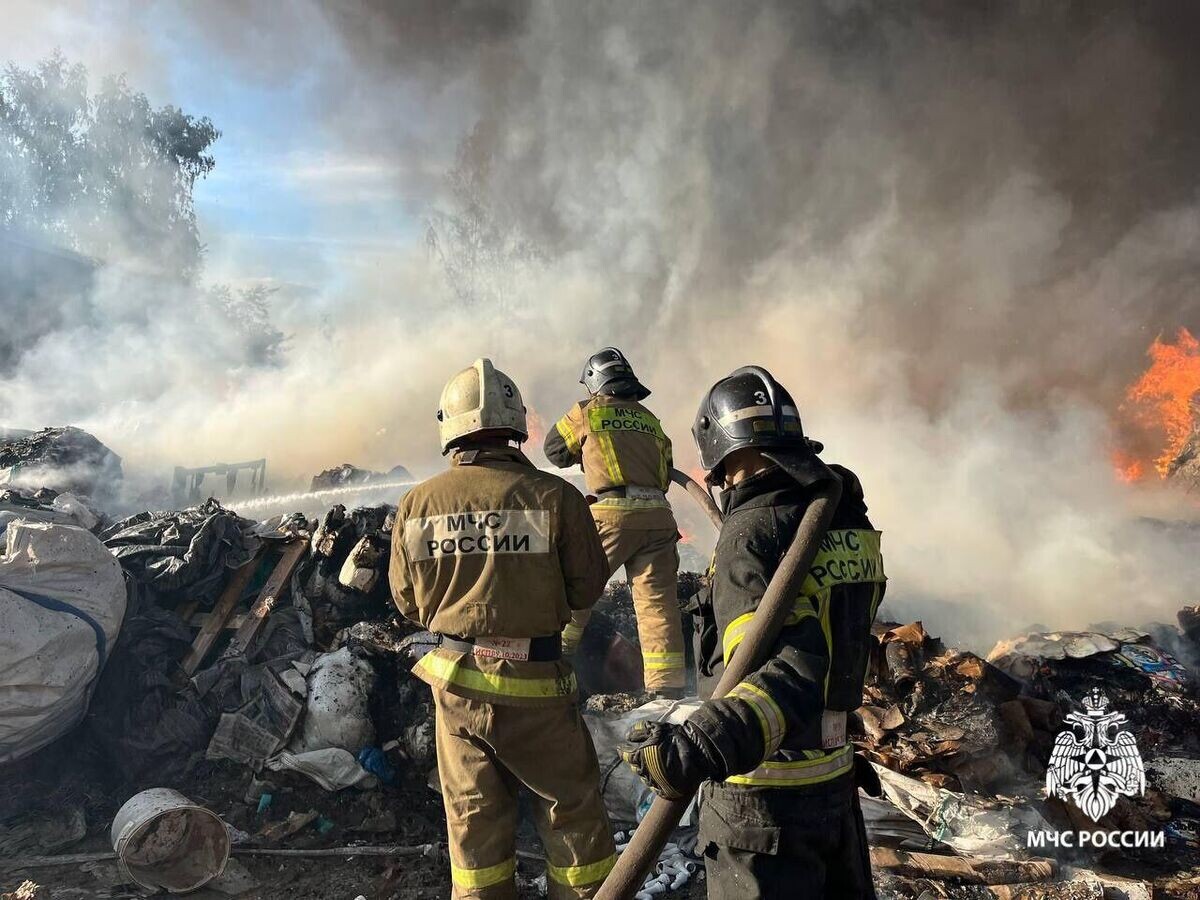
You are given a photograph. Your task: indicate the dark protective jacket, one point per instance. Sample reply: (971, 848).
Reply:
(769, 728)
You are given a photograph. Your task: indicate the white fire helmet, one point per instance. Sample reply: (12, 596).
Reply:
(480, 400)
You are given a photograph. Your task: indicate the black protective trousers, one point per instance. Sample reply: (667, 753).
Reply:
(771, 843)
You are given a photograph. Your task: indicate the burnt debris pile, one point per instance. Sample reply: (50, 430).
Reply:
(260, 670)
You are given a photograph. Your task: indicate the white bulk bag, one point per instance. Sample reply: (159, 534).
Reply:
(62, 598)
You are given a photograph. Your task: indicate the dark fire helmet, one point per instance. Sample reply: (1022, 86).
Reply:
(609, 372)
(749, 408)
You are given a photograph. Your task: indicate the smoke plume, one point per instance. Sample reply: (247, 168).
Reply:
(951, 230)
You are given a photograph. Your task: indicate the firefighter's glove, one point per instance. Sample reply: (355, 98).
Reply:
(672, 759)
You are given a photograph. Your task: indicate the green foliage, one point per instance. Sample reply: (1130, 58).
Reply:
(104, 173)
(482, 250)
(248, 313)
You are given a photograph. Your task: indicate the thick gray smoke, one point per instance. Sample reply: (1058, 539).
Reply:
(950, 229)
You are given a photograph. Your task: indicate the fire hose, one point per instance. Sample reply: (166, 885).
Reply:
(699, 494)
(777, 602)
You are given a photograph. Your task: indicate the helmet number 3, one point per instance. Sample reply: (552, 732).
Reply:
(760, 398)
(508, 391)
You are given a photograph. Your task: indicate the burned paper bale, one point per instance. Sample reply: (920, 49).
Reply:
(347, 475)
(261, 727)
(342, 543)
(364, 564)
(935, 713)
(260, 696)
(1154, 689)
(64, 459)
(332, 530)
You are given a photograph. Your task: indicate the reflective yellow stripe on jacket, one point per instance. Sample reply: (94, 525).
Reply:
(567, 432)
(579, 876)
(630, 503)
(453, 671)
(604, 441)
(798, 773)
(736, 630)
(770, 716)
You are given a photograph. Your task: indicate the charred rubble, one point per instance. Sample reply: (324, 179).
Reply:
(65, 459)
(262, 671)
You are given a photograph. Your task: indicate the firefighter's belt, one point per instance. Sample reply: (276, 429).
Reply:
(632, 492)
(539, 649)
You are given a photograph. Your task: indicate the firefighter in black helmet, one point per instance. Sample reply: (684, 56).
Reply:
(626, 460)
(779, 815)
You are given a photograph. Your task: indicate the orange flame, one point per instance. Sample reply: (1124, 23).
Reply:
(1163, 400)
(535, 426)
(1129, 469)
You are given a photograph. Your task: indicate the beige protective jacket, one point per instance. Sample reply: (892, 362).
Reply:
(620, 444)
(495, 548)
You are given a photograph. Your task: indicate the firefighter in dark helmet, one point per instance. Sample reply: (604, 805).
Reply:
(779, 812)
(493, 556)
(626, 459)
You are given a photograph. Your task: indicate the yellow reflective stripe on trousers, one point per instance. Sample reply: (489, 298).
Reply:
(482, 878)
(578, 876)
(770, 716)
(655, 660)
(799, 773)
(452, 671)
(567, 432)
(736, 630)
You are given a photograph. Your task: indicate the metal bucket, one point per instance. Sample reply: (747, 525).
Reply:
(164, 841)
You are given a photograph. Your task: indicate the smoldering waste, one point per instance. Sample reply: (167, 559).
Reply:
(261, 671)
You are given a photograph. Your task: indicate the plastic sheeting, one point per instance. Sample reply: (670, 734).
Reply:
(149, 728)
(182, 555)
(988, 829)
(62, 599)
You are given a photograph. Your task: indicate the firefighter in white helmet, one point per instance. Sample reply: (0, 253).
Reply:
(494, 556)
(626, 460)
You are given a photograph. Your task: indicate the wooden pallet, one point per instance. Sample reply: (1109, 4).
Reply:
(275, 588)
(221, 613)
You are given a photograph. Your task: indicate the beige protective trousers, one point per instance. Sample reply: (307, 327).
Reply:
(486, 752)
(651, 561)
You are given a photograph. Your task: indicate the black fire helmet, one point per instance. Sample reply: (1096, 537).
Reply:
(609, 372)
(749, 408)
